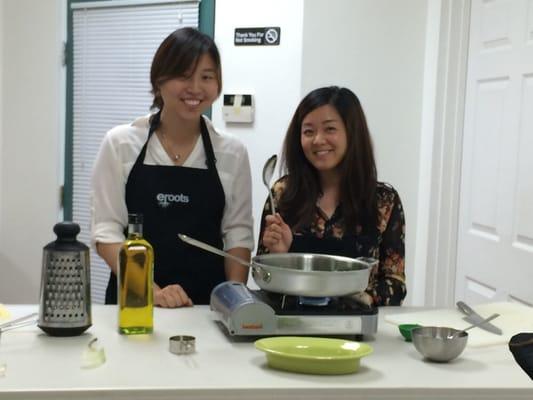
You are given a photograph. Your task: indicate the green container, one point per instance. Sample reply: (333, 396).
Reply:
(405, 330)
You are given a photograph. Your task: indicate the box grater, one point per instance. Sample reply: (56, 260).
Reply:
(65, 297)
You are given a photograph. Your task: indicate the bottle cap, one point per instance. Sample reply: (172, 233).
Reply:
(135, 218)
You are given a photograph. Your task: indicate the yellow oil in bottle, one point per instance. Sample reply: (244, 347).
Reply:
(135, 281)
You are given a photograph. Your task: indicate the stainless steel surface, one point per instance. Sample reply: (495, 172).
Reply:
(477, 325)
(246, 313)
(438, 343)
(182, 344)
(65, 294)
(303, 274)
(474, 318)
(268, 172)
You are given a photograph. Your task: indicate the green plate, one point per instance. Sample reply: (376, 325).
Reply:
(313, 355)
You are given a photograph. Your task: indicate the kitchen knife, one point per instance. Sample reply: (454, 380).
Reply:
(475, 318)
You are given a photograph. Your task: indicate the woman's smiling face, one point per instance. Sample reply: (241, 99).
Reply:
(188, 96)
(323, 138)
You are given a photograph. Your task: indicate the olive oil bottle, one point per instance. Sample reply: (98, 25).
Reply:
(135, 281)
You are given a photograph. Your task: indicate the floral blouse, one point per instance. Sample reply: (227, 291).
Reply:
(386, 243)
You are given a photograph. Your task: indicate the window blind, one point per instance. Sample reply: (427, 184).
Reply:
(112, 53)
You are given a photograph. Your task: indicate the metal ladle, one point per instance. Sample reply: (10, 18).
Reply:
(474, 326)
(268, 172)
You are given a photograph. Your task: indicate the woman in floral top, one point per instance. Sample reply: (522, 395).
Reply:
(330, 202)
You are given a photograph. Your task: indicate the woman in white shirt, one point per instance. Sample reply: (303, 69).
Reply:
(183, 176)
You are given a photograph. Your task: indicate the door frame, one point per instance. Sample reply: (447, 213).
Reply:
(446, 154)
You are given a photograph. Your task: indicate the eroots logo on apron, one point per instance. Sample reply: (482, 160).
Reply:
(164, 199)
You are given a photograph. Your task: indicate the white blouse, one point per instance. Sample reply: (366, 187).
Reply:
(118, 152)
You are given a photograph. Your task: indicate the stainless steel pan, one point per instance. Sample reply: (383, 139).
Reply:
(303, 274)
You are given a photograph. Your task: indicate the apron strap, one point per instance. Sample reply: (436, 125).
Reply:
(154, 123)
(155, 120)
(208, 146)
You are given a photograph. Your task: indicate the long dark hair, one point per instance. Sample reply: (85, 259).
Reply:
(177, 55)
(357, 169)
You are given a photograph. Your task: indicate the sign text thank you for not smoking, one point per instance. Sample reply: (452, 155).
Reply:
(269, 36)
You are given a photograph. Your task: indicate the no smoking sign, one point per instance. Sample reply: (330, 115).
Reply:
(269, 36)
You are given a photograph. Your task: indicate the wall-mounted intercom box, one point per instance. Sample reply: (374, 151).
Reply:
(238, 108)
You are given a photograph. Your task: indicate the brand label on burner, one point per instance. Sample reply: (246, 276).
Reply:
(252, 325)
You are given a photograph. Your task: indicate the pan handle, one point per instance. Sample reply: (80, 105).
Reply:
(211, 249)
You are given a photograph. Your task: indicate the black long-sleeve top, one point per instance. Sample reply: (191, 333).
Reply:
(387, 244)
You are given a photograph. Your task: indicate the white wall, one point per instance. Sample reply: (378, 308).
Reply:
(1, 110)
(376, 48)
(271, 73)
(31, 153)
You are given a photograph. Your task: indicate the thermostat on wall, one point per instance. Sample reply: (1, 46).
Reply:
(238, 108)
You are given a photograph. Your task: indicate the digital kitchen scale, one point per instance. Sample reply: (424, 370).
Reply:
(246, 312)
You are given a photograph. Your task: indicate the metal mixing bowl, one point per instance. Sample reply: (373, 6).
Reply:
(438, 343)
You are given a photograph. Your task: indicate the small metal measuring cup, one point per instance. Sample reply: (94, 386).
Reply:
(182, 344)
(18, 323)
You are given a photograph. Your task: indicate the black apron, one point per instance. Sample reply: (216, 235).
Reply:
(350, 245)
(174, 200)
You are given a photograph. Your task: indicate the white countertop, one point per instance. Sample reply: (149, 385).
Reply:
(141, 367)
